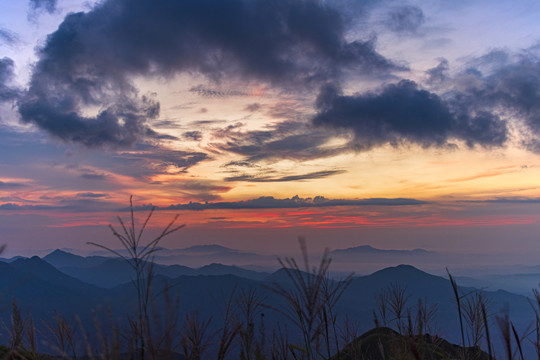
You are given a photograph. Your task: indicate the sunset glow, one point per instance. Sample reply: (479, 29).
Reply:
(247, 117)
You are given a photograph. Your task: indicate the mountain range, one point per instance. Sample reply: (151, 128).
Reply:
(73, 285)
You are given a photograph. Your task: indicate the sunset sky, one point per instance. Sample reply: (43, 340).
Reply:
(389, 123)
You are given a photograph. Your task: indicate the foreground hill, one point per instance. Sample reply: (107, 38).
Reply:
(385, 343)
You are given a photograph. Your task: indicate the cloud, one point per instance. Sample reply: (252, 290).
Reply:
(198, 189)
(308, 176)
(90, 59)
(214, 93)
(71, 205)
(47, 5)
(438, 74)
(90, 176)
(7, 92)
(166, 137)
(192, 135)
(8, 37)
(403, 113)
(517, 87)
(294, 140)
(91, 195)
(405, 19)
(148, 160)
(202, 185)
(519, 200)
(6, 185)
(501, 83)
(15, 207)
(269, 202)
(253, 107)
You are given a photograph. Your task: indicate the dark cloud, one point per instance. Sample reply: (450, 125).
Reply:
(503, 83)
(253, 107)
(90, 60)
(15, 207)
(15, 199)
(269, 202)
(198, 189)
(202, 185)
(439, 73)
(47, 5)
(91, 195)
(308, 176)
(70, 205)
(166, 124)
(206, 122)
(405, 19)
(166, 137)
(192, 135)
(7, 184)
(492, 61)
(121, 124)
(518, 88)
(214, 93)
(402, 113)
(240, 164)
(7, 92)
(90, 176)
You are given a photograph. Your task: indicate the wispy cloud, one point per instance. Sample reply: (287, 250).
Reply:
(489, 173)
(7, 91)
(91, 195)
(510, 200)
(293, 140)
(9, 185)
(308, 176)
(47, 5)
(404, 19)
(92, 176)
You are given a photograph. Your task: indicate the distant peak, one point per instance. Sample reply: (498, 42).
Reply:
(371, 249)
(206, 248)
(401, 269)
(59, 252)
(404, 267)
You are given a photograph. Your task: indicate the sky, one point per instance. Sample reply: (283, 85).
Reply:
(398, 124)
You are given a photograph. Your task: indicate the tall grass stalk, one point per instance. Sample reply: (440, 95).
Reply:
(458, 304)
(310, 302)
(140, 259)
(486, 328)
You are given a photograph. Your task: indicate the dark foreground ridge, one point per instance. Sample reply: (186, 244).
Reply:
(385, 343)
(378, 343)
